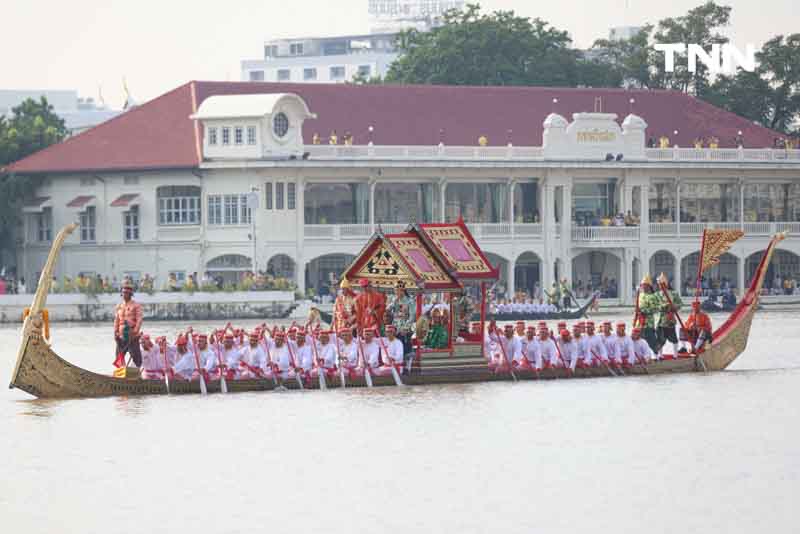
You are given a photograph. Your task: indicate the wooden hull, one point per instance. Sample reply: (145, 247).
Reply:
(42, 373)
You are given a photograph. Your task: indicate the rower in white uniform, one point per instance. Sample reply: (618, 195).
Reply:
(642, 351)
(593, 346)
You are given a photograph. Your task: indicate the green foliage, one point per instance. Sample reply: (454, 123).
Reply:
(471, 48)
(32, 126)
(630, 59)
(769, 96)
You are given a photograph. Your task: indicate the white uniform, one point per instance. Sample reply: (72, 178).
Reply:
(547, 349)
(152, 363)
(533, 352)
(255, 357)
(394, 349)
(349, 353)
(593, 348)
(513, 349)
(327, 352)
(304, 357)
(610, 343)
(626, 352)
(643, 350)
(282, 358)
(186, 364)
(232, 357)
(569, 353)
(371, 353)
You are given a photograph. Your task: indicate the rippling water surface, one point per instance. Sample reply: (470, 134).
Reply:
(687, 453)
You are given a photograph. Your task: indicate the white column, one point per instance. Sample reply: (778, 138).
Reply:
(741, 203)
(547, 219)
(626, 283)
(566, 231)
(372, 184)
(677, 283)
(442, 199)
(511, 279)
(300, 264)
(678, 207)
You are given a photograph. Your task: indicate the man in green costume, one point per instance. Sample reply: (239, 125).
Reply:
(668, 315)
(554, 298)
(437, 336)
(649, 305)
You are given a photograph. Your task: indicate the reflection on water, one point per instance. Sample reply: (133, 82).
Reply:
(700, 453)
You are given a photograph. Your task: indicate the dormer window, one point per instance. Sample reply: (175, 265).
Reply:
(251, 135)
(226, 135)
(280, 124)
(212, 136)
(238, 135)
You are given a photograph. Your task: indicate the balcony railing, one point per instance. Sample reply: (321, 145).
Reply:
(535, 231)
(522, 153)
(605, 233)
(695, 229)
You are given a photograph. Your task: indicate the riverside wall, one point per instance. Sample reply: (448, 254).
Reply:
(164, 306)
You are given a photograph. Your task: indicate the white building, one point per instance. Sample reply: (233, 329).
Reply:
(323, 59)
(79, 114)
(341, 58)
(169, 191)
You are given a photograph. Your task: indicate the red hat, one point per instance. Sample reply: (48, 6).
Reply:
(363, 282)
(280, 334)
(345, 330)
(182, 341)
(255, 334)
(530, 329)
(508, 327)
(369, 331)
(577, 328)
(562, 325)
(621, 324)
(391, 327)
(229, 334)
(542, 324)
(589, 323)
(145, 337)
(565, 333)
(636, 330)
(606, 323)
(202, 337)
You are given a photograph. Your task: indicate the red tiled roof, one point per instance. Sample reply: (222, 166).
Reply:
(159, 134)
(80, 201)
(124, 200)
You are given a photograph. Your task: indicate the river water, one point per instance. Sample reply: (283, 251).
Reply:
(688, 453)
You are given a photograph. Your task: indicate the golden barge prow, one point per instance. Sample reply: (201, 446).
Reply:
(42, 373)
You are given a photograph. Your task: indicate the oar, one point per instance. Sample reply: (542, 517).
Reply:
(641, 361)
(505, 356)
(367, 374)
(294, 363)
(395, 375)
(341, 364)
(320, 368)
(596, 356)
(560, 357)
(200, 370)
(269, 358)
(223, 384)
(163, 345)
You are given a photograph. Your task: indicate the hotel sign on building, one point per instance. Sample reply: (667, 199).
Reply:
(171, 192)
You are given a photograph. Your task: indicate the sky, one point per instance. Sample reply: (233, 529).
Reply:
(157, 45)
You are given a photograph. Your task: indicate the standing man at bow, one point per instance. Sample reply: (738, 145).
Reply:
(670, 304)
(128, 320)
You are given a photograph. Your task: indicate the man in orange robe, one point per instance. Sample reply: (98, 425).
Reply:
(698, 326)
(370, 307)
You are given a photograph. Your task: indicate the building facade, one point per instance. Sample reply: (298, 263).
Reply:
(249, 191)
(79, 114)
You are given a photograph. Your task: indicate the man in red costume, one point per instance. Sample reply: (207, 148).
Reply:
(698, 326)
(370, 307)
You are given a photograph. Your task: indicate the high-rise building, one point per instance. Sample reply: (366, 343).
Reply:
(341, 58)
(79, 114)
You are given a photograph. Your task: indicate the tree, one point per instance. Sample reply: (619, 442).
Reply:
(771, 94)
(699, 26)
(32, 126)
(631, 59)
(471, 48)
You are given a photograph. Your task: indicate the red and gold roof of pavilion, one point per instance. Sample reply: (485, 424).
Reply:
(454, 246)
(431, 257)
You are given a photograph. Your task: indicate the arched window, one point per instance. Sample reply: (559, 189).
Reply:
(178, 205)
